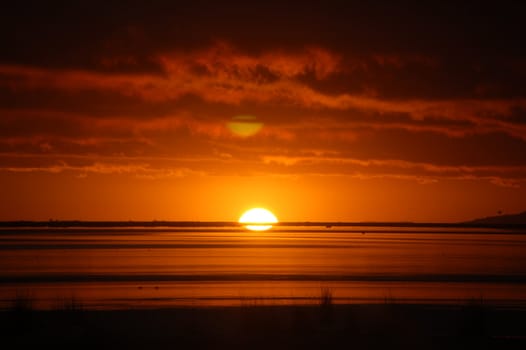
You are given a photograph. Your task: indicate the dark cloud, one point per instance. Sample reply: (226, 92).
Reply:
(128, 27)
(416, 91)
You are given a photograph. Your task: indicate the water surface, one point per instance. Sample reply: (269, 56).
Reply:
(200, 266)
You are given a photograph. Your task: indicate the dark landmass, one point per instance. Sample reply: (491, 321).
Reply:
(511, 219)
(325, 326)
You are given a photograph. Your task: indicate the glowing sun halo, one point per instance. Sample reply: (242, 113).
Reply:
(258, 219)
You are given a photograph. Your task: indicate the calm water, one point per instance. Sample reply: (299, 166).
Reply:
(123, 268)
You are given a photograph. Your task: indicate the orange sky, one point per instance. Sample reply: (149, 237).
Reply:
(362, 113)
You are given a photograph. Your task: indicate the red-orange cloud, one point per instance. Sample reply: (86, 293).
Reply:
(222, 74)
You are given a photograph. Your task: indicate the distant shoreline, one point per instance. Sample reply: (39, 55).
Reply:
(218, 224)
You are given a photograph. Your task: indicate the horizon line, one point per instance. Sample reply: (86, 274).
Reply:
(198, 223)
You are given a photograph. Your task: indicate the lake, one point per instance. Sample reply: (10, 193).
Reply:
(139, 267)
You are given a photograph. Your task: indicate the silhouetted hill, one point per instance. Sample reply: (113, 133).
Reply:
(511, 219)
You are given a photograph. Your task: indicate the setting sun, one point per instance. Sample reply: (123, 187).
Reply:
(258, 219)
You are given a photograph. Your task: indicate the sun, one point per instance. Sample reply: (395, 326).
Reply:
(258, 219)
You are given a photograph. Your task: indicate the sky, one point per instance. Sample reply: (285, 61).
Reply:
(335, 110)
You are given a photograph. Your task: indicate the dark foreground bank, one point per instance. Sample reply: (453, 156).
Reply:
(382, 326)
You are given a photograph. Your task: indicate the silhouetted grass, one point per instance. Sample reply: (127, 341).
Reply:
(475, 313)
(323, 325)
(326, 297)
(71, 304)
(23, 302)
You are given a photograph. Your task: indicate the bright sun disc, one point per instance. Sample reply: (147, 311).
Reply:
(258, 219)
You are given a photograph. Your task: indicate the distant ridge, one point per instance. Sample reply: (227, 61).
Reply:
(510, 219)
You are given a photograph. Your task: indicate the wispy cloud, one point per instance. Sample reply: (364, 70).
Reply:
(144, 170)
(398, 169)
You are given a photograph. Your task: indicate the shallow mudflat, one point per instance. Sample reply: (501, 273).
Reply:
(189, 266)
(372, 326)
